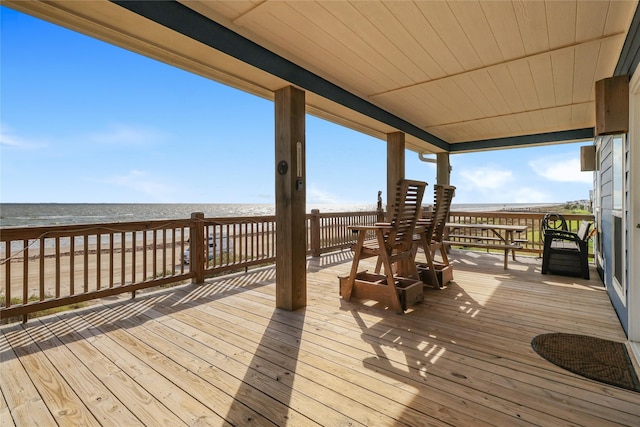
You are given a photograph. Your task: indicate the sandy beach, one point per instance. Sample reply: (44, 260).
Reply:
(91, 272)
(87, 269)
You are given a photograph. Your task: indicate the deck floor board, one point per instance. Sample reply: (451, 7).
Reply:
(221, 354)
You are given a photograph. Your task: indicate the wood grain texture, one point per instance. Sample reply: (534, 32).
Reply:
(425, 62)
(221, 354)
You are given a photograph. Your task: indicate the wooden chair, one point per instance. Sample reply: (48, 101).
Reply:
(432, 233)
(393, 245)
(566, 253)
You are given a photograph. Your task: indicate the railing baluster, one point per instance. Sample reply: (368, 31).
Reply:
(164, 251)
(254, 242)
(239, 240)
(123, 259)
(173, 251)
(41, 270)
(7, 273)
(145, 249)
(25, 272)
(86, 263)
(111, 266)
(243, 253)
(134, 250)
(98, 260)
(72, 265)
(57, 266)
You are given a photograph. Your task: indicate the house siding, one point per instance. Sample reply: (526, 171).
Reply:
(607, 226)
(627, 217)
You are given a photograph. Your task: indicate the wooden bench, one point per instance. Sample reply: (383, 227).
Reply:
(508, 247)
(472, 235)
(491, 238)
(502, 246)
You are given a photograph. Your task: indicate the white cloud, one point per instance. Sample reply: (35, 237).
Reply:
(127, 135)
(146, 184)
(9, 139)
(528, 195)
(486, 178)
(318, 196)
(491, 184)
(561, 168)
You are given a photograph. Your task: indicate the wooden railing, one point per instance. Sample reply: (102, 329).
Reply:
(238, 242)
(47, 267)
(329, 232)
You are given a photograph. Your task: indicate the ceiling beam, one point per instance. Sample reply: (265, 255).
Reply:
(186, 21)
(524, 140)
(630, 55)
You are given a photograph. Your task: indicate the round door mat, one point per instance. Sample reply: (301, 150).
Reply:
(594, 358)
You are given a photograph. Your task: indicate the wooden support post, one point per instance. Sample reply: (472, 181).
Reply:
(395, 167)
(196, 247)
(443, 169)
(315, 232)
(291, 247)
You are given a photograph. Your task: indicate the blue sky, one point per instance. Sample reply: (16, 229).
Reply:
(82, 121)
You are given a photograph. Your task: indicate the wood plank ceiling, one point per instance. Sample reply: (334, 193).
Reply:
(462, 71)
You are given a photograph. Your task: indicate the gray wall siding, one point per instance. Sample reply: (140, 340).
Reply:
(606, 207)
(627, 215)
(606, 221)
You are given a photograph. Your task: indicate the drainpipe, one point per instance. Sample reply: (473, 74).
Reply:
(443, 168)
(422, 157)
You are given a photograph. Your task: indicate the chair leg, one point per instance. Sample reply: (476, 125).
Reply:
(429, 256)
(346, 294)
(545, 262)
(443, 254)
(584, 262)
(394, 300)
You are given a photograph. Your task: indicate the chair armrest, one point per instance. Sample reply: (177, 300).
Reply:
(561, 235)
(379, 226)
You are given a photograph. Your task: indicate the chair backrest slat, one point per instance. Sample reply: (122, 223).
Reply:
(583, 231)
(409, 195)
(443, 195)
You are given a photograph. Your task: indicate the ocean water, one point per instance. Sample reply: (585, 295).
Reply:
(37, 214)
(44, 214)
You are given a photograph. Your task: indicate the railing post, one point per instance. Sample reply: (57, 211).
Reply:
(196, 246)
(315, 232)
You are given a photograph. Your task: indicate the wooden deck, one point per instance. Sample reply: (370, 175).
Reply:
(220, 354)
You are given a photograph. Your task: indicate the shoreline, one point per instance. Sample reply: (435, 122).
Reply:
(59, 214)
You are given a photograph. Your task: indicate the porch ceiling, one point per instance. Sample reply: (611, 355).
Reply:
(449, 74)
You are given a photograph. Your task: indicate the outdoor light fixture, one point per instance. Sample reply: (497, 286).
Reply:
(299, 182)
(299, 159)
(588, 158)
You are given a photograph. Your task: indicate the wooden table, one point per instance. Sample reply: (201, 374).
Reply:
(502, 237)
